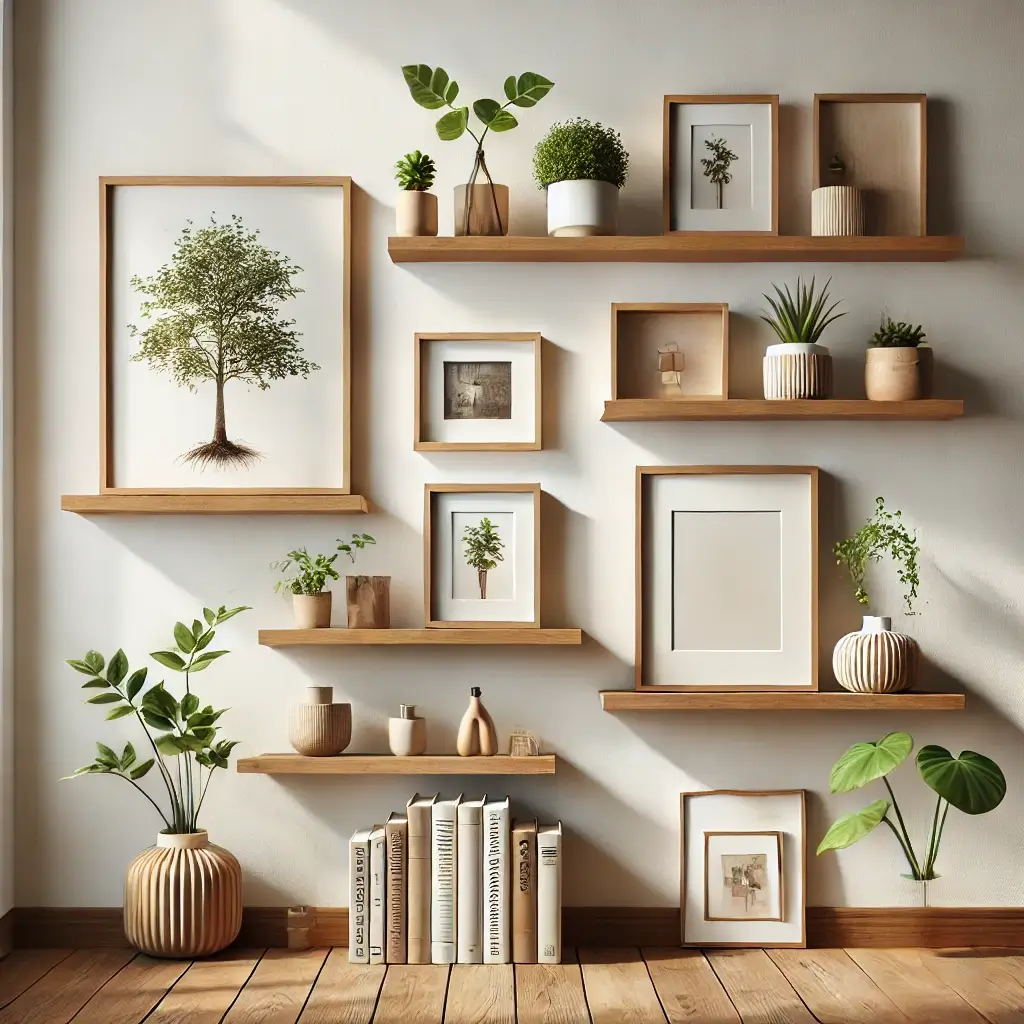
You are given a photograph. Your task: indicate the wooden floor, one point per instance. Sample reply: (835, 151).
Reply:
(626, 986)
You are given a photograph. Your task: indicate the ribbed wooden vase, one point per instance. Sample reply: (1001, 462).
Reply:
(837, 210)
(183, 897)
(318, 727)
(876, 660)
(797, 371)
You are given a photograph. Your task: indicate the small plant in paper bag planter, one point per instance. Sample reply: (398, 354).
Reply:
(897, 367)
(311, 603)
(368, 598)
(416, 208)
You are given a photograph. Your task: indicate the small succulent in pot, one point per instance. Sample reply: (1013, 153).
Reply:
(310, 602)
(893, 334)
(801, 320)
(415, 172)
(416, 208)
(897, 368)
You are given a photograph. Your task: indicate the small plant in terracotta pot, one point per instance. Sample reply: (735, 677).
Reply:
(895, 368)
(416, 209)
(368, 597)
(310, 602)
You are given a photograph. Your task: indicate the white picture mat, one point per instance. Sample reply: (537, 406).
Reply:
(520, 428)
(518, 551)
(683, 119)
(789, 496)
(297, 424)
(717, 845)
(726, 812)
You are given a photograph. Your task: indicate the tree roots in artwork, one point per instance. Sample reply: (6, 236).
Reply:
(223, 454)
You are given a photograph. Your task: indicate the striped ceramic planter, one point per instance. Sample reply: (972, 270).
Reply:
(797, 371)
(318, 727)
(837, 210)
(183, 897)
(876, 660)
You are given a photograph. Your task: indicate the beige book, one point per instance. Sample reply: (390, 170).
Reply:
(418, 874)
(549, 894)
(524, 892)
(397, 829)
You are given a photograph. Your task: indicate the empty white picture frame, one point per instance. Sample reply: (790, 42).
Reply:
(726, 580)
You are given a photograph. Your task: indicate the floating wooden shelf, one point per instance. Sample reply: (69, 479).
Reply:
(213, 504)
(699, 248)
(631, 410)
(633, 700)
(385, 764)
(424, 637)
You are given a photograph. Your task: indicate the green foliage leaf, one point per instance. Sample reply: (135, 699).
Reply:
(415, 172)
(127, 756)
(88, 769)
(183, 638)
(120, 712)
(970, 782)
(205, 659)
(170, 746)
(105, 698)
(159, 700)
(452, 93)
(107, 756)
(510, 87)
(96, 684)
(140, 770)
(118, 668)
(851, 828)
(80, 666)
(189, 705)
(580, 150)
(223, 614)
(530, 89)
(135, 682)
(203, 641)
(422, 79)
(490, 112)
(865, 762)
(155, 720)
(169, 659)
(95, 661)
(210, 615)
(450, 126)
(197, 629)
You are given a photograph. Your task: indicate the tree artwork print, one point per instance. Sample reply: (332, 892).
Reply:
(214, 315)
(483, 551)
(716, 166)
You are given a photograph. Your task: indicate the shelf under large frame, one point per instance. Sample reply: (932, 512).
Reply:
(483, 636)
(817, 700)
(386, 764)
(213, 503)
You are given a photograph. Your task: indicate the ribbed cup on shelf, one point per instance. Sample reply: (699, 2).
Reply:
(183, 897)
(837, 210)
(318, 728)
(876, 660)
(797, 371)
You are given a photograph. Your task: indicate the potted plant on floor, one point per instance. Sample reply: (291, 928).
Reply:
(182, 897)
(416, 209)
(582, 165)
(311, 604)
(799, 367)
(970, 782)
(479, 209)
(875, 659)
(893, 363)
(368, 597)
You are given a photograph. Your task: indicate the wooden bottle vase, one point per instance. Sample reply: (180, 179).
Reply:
(477, 735)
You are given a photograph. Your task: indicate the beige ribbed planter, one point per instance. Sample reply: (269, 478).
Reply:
(892, 374)
(318, 727)
(415, 214)
(183, 897)
(837, 210)
(797, 371)
(876, 660)
(312, 611)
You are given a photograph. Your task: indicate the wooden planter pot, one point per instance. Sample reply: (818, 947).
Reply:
(893, 374)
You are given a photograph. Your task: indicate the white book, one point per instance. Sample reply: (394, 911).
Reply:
(418, 928)
(359, 897)
(378, 893)
(443, 893)
(469, 877)
(497, 918)
(549, 894)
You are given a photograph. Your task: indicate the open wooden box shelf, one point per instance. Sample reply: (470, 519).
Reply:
(386, 764)
(630, 410)
(819, 700)
(498, 635)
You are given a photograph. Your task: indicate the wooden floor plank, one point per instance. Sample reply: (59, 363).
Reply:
(618, 987)
(60, 993)
(277, 989)
(132, 992)
(481, 994)
(688, 988)
(344, 993)
(834, 988)
(207, 989)
(757, 988)
(991, 981)
(412, 995)
(551, 993)
(24, 967)
(902, 975)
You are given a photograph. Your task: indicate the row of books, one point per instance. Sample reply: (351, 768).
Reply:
(455, 881)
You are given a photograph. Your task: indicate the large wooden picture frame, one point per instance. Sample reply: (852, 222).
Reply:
(339, 404)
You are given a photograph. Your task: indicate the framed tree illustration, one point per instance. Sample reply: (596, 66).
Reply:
(225, 335)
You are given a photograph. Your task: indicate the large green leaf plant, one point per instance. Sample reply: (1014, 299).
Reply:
(970, 782)
(182, 734)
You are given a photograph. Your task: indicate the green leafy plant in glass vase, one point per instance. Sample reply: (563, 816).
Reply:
(416, 209)
(896, 367)
(310, 574)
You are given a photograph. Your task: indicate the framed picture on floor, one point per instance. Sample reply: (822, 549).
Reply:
(726, 578)
(721, 164)
(225, 307)
(478, 392)
(743, 868)
(482, 555)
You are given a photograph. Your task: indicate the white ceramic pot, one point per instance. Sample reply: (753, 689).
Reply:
(797, 370)
(892, 374)
(312, 611)
(318, 727)
(407, 734)
(415, 214)
(837, 210)
(483, 218)
(876, 660)
(579, 208)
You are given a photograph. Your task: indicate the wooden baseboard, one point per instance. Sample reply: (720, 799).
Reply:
(300, 927)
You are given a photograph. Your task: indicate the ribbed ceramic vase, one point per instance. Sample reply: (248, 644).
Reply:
(183, 897)
(318, 727)
(797, 370)
(876, 660)
(837, 210)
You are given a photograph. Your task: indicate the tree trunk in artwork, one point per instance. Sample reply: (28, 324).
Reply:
(220, 429)
(369, 602)
(481, 578)
(719, 195)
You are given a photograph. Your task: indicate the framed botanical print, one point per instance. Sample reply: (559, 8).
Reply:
(225, 306)
(726, 580)
(482, 555)
(478, 392)
(721, 164)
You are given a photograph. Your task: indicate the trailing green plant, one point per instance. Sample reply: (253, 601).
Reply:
(182, 734)
(358, 543)
(432, 89)
(891, 334)
(970, 782)
(311, 572)
(415, 172)
(716, 167)
(884, 533)
(483, 550)
(580, 150)
(803, 319)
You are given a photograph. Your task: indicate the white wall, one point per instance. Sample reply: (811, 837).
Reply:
(313, 86)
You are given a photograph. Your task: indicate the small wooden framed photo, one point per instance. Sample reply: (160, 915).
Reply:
(743, 870)
(721, 164)
(726, 578)
(482, 555)
(478, 392)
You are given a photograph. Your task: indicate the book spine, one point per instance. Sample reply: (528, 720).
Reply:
(443, 896)
(495, 885)
(419, 885)
(470, 852)
(378, 896)
(397, 836)
(358, 901)
(524, 893)
(549, 895)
